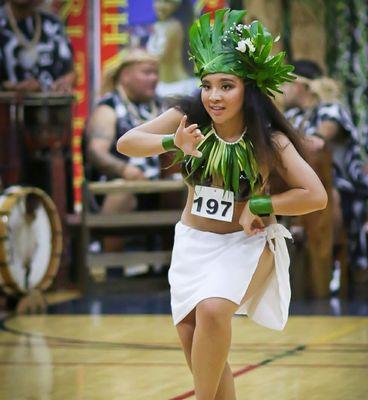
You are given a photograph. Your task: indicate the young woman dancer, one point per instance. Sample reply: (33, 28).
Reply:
(229, 254)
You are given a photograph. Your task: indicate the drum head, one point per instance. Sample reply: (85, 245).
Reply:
(30, 240)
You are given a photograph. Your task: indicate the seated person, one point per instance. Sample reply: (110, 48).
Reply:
(313, 106)
(355, 206)
(129, 100)
(35, 53)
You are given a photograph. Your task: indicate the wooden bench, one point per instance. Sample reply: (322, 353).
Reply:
(88, 223)
(311, 270)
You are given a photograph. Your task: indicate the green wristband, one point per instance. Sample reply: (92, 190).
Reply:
(168, 143)
(261, 205)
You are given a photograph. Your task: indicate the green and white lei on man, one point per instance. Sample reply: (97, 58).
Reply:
(229, 46)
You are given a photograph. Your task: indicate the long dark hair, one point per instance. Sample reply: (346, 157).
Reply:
(263, 120)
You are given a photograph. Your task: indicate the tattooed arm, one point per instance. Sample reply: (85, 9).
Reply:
(101, 134)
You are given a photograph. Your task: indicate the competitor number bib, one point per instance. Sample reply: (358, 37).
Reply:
(213, 203)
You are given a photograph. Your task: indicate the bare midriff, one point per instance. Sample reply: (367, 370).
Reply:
(212, 225)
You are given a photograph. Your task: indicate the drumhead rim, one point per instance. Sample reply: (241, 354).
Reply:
(12, 195)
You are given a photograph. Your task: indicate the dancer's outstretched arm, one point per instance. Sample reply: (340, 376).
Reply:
(146, 139)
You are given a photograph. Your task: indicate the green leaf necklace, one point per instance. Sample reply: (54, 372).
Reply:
(223, 160)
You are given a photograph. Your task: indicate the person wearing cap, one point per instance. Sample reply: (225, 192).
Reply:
(35, 52)
(129, 100)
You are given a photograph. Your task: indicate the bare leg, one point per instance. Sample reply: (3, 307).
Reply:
(260, 276)
(226, 388)
(185, 330)
(211, 344)
(188, 328)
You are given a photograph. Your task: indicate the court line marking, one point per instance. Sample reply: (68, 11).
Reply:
(249, 368)
(144, 346)
(32, 335)
(138, 346)
(164, 364)
(170, 345)
(330, 349)
(322, 339)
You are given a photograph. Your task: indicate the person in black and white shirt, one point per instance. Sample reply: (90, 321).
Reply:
(356, 203)
(313, 107)
(129, 99)
(35, 53)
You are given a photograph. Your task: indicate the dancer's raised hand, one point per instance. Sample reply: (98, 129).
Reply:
(188, 138)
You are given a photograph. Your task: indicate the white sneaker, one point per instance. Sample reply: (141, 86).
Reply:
(335, 306)
(335, 281)
(95, 247)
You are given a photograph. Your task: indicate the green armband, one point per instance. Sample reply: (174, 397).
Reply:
(261, 205)
(168, 143)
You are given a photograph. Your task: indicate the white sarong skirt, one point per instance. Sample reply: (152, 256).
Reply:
(207, 264)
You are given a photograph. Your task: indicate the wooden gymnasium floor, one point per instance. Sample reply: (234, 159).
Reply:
(134, 356)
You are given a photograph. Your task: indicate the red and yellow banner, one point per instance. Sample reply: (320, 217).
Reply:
(114, 37)
(74, 14)
(205, 6)
(114, 20)
(213, 5)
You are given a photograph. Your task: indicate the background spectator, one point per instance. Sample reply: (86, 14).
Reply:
(35, 53)
(129, 101)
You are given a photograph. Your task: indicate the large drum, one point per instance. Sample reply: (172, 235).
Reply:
(45, 120)
(36, 134)
(45, 123)
(30, 240)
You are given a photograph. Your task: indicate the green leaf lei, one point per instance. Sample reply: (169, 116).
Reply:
(223, 160)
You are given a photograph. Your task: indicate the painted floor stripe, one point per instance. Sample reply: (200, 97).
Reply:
(249, 368)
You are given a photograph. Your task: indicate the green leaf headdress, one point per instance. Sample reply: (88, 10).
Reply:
(231, 47)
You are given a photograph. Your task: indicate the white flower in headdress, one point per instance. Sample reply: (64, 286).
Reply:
(277, 38)
(242, 47)
(250, 45)
(239, 28)
(244, 44)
